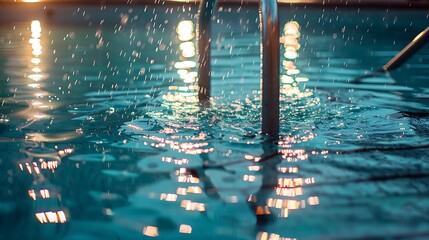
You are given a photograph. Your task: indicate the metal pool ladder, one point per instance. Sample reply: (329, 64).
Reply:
(270, 60)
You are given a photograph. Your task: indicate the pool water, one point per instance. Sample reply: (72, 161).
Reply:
(102, 136)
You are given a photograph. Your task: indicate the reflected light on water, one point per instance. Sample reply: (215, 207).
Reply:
(185, 229)
(289, 192)
(32, 194)
(36, 75)
(176, 161)
(36, 33)
(43, 193)
(186, 66)
(65, 152)
(150, 231)
(51, 217)
(290, 40)
(182, 66)
(188, 49)
(169, 197)
(185, 30)
(271, 236)
(193, 206)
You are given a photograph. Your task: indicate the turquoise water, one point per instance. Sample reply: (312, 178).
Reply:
(102, 136)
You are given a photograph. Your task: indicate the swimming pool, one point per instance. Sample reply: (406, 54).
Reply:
(102, 136)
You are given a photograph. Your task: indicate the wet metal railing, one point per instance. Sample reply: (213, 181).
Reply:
(415, 45)
(270, 60)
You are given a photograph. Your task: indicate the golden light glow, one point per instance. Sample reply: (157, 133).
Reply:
(186, 69)
(185, 30)
(262, 210)
(51, 217)
(168, 197)
(39, 116)
(185, 229)
(35, 60)
(150, 231)
(187, 179)
(313, 200)
(185, 64)
(181, 191)
(254, 168)
(194, 189)
(34, 166)
(289, 80)
(36, 69)
(176, 161)
(288, 169)
(249, 178)
(193, 206)
(283, 203)
(36, 76)
(34, 85)
(288, 192)
(45, 193)
(272, 236)
(32, 194)
(65, 152)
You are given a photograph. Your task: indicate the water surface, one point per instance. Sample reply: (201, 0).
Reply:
(102, 136)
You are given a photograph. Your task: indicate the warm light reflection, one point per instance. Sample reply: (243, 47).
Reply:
(262, 210)
(168, 197)
(313, 200)
(186, 69)
(185, 229)
(45, 193)
(194, 189)
(175, 161)
(185, 30)
(188, 49)
(185, 64)
(289, 193)
(51, 217)
(290, 88)
(193, 148)
(188, 179)
(32, 194)
(271, 236)
(193, 206)
(150, 231)
(36, 69)
(39, 115)
(249, 178)
(65, 152)
(35, 60)
(35, 167)
(36, 76)
(34, 85)
(254, 168)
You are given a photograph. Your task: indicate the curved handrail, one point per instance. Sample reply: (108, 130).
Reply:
(406, 53)
(270, 60)
(418, 42)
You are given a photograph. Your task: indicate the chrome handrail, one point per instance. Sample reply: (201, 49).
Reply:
(406, 53)
(418, 42)
(270, 60)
